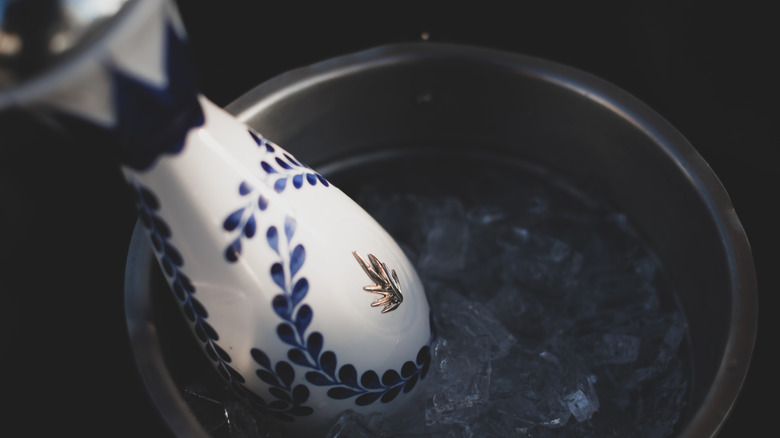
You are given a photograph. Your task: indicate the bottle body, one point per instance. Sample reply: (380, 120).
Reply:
(260, 251)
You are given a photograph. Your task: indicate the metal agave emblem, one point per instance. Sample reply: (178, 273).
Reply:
(385, 283)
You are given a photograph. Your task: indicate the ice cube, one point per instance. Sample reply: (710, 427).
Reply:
(241, 423)
(486, 215)
(446, 234)
(614, 348)
(580, 405)
(472, 326)
(462, 384)
(350, 425)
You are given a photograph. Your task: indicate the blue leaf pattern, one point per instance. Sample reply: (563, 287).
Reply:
(300, 394)
(281, 306)
(348, 375)
(391, 394)
(285, 167)
(289, 227)
(408, 369)
(367, 398)
(303, 318)
(184, 292)
(390, 377)
(285, 371)
(250, 228)
(267, 167)
(261, 358)
(233, 250)
(280, 394)
(283, 164)
(317, 378)
(370, 380)
(277, 273)
(286, 333)
(299, 291)
(272, 236)
(233, 220)
(297, 257)
(328, 362)
(244, 188)
(314, 344)
(306, 348)
(298, 357)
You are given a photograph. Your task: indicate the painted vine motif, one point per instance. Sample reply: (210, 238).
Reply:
(281, 171)
(307, 347)
(171, 262)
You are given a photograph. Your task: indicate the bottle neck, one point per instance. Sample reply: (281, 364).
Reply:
(134, 90)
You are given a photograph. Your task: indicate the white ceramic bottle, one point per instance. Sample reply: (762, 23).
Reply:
(304, 305)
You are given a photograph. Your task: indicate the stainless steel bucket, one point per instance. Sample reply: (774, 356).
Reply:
(402, 97)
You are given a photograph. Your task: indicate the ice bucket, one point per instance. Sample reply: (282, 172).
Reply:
(396, 99)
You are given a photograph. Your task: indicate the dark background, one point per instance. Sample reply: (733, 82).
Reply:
(67, 218)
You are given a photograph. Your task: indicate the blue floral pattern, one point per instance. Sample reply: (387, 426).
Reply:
(243, 220)
(307, 348)
(171, 262)
(282, 171)
(283, 167)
